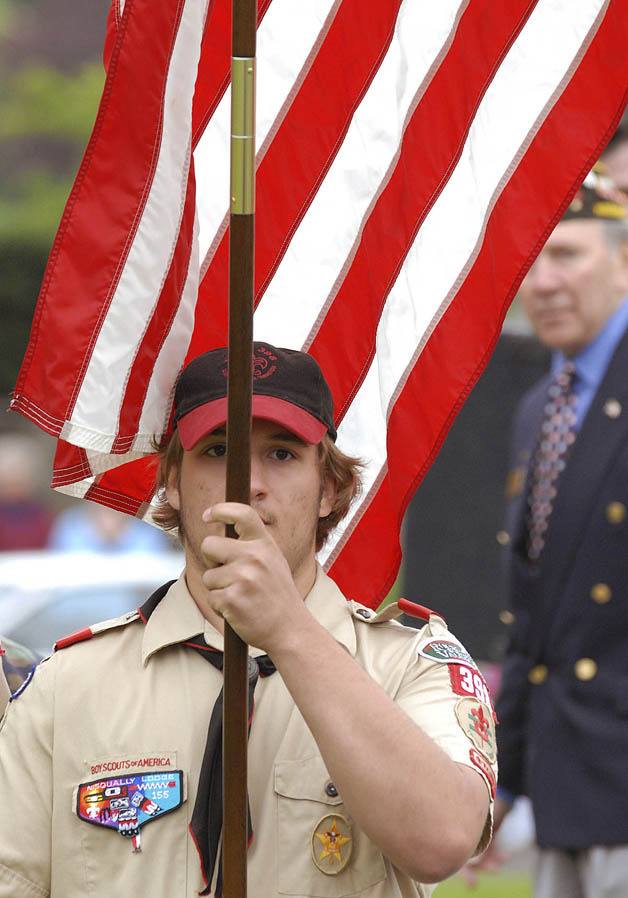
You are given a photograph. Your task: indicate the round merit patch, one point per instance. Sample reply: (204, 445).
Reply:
(476, 720)
(445, 651)
(332, 844)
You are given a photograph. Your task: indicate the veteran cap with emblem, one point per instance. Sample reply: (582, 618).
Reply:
(288, 388)
(598, 198)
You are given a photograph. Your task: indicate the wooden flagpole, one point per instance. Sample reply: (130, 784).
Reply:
(241, 247)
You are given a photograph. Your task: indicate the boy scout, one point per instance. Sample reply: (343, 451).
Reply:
(372, 746)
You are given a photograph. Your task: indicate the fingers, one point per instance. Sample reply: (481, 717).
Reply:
(247, 522)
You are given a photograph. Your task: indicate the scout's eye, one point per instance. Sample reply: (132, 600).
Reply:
(281, 454)
(217, 450)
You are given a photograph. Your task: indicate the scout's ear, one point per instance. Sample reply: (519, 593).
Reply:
(172, 489)
(328, 497)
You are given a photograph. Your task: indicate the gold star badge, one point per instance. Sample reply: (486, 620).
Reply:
(332, 844)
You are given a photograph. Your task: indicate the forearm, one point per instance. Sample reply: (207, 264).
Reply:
(429, 812)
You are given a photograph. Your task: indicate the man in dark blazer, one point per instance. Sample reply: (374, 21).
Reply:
(563, 707)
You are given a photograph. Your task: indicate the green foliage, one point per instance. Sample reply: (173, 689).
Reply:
(31, 213)
(41, 104)
(37, 100)
(22, 267)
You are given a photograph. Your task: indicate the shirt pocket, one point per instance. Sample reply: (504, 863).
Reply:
(144, 790)
(305, 798)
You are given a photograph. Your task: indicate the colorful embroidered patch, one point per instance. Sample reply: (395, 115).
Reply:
(126, 803)
(465, 681)
(485, 767)
(476, 721)
(446, 652)
(332, 844)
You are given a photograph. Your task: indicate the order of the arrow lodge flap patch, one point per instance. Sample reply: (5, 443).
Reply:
(126, 803)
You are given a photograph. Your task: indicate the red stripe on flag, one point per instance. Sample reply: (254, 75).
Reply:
(441, 122)
(98, 226)
(214, 70)
(70, 465)
(461, 345)
(305, 145)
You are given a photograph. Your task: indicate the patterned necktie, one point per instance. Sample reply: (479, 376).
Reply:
(206, 823)
(555, 440)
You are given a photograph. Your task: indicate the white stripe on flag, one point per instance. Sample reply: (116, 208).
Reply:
(285, 38)
(156, 407)
(94, 419)
(532, 71)
(328, 231)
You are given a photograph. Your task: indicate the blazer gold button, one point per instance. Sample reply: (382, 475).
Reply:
(601, 593)
(615, 512)
(506, 617)
(585, 669)
(502, 537)
(538, 674)
(612, 408)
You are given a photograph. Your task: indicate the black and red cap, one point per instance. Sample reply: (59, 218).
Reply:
(288, 388)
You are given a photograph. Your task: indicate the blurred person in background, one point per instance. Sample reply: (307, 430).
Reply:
(563, 704)
(96, 528)
(25, 521)
(615, 156)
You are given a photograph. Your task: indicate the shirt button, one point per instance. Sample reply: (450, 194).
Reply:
(612, 408)
(601, 593)
(615, 512)
(506, 617)
(585, 669)
(538, 674)
(331, 790)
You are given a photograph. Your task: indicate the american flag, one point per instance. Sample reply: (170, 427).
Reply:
(412, 158)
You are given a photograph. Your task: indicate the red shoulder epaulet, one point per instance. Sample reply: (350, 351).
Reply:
(79, 636)
(95, 630)
(413, 609)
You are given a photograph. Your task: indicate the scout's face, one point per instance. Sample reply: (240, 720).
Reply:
(575, 284)
(286, 491)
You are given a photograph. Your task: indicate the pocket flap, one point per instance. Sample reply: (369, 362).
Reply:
(306, 779)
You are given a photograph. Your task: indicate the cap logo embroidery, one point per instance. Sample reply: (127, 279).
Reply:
(263, 363)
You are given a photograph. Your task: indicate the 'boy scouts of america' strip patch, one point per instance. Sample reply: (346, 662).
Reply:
(446, 652)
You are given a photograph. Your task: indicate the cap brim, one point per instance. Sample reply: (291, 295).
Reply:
(206, 418)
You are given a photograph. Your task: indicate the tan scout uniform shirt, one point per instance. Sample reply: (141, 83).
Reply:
(132, 700)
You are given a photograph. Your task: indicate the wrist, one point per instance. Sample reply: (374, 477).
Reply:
(298, 637)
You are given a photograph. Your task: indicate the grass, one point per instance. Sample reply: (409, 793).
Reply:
(489, 886)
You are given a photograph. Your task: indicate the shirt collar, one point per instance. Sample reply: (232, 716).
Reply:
(177, 618)
(592, 361)
(328, 605)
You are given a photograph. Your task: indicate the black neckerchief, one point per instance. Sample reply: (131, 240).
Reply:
(206, 824)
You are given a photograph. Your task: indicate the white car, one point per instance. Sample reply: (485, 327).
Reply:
(46, 595)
